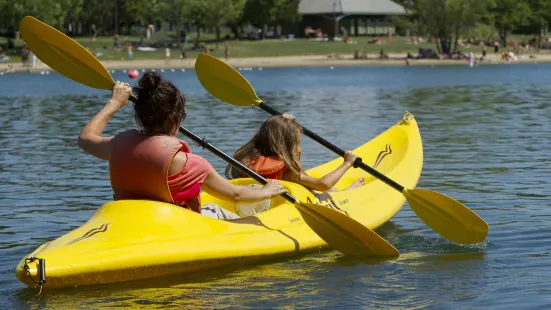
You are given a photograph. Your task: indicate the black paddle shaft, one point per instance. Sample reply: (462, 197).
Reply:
(203, 143)
(357, 163)
(230, 160)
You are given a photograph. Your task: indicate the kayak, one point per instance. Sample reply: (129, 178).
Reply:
(129, 240)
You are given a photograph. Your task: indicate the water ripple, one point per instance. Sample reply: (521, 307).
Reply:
(485, 135)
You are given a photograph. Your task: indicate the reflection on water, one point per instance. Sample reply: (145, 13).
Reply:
(485, 133)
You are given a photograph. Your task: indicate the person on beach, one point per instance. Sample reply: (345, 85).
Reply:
(116, 43)
(94, 32)
(152, 163)
(274, 153)
(227, 52)
(129, 50)
(167, 55)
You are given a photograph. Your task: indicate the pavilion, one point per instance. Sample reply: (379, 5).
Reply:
(356, 17)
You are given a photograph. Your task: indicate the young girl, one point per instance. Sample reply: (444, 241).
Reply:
(274, 152)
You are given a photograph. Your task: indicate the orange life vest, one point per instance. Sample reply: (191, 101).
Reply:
(139, 165)
(270, 167)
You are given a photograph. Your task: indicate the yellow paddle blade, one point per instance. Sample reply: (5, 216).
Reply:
(447, 216)
(64, 55)
(224, 82)
(345, 234)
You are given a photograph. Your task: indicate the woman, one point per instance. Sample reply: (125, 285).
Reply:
(274, 152)
(152, 163)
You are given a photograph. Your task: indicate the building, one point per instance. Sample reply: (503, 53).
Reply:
(355, 17)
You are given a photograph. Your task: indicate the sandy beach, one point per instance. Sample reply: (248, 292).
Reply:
(289, 61)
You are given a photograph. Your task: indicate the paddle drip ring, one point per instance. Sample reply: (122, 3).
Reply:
(203, 143)
(41, 271)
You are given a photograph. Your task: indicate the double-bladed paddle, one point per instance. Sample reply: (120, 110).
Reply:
(443, 214)
(69, 58)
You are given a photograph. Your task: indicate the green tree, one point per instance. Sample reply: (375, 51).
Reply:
(217, 13)
(540, 16)
(509, 14)
(270, 12)
(447, 20)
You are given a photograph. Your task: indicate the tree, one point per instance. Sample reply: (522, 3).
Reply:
(218, 13)
(540, 16)
(447, 20)
(509, 14)
(270, 12)
(174, 11)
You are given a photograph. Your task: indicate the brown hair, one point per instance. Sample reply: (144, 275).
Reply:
(278, 136)
(158, 101)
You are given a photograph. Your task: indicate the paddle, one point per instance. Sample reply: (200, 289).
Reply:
(443, 214)
(69, 58)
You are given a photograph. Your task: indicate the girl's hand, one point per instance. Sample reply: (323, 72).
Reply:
(120, 95)
(349, 158)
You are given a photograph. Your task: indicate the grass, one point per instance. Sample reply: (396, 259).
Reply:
(263, 48)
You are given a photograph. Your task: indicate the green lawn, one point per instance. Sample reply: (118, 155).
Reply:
(264, 48)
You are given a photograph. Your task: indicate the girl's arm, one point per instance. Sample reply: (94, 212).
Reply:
(90, 139)
(221, 188)
(326, 182)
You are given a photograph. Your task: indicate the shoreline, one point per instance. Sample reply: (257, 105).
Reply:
(289, 62)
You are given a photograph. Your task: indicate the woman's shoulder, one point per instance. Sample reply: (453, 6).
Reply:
(178, 163)
(187, 160)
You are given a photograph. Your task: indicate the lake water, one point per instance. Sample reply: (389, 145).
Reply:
(486, 134)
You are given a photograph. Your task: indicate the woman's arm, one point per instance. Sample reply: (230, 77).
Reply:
(90, 139)
(221, 188)
(326, 182)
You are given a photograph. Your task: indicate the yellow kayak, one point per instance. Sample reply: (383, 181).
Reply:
(138, 239)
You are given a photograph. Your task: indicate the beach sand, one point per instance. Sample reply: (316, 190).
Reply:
(291, 61)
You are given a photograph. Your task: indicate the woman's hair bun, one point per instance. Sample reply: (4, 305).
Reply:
(149, 81)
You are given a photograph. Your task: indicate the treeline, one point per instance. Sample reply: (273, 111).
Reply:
(443, 20)
(124, 16)
(450, 20)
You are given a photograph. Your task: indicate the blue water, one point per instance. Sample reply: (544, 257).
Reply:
(486, 143)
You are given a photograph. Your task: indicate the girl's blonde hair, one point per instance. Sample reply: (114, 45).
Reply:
(278, 136)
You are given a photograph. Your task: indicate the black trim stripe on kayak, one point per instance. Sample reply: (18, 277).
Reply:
(382, 155)
(90, 233)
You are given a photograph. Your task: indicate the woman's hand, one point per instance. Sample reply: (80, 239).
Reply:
(91, 139)
(349, 158)
(273, 189)
(120, 95)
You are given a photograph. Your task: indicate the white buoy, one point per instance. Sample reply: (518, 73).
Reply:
(153, 70)
(162, 70)
(240, 69)
(183, 70)
(1, 73)
(172, 70)
(143, 70)
(332, 68)
(47, 72)
(42, 72)
(259, 69)
(123, 71)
